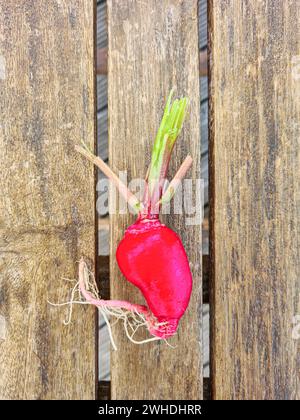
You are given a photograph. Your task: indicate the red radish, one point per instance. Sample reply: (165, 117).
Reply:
(150, 255)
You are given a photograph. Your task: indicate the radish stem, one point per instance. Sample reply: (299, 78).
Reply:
(180, 174)
(83, 287)
(126, 193)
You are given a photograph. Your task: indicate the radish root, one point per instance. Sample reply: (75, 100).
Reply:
(85, 292)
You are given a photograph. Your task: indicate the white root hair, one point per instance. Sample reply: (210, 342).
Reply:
(85, 292)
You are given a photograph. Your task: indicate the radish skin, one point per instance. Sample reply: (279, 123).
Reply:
(151, 256)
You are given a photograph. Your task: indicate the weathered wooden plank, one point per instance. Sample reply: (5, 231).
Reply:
(102, 24)
(104, 354)
(255, 207)
(102, 86)
(102, 61)
(47, 197)
(139, 81)
(102, 42)
(102, 28)
(104, 384)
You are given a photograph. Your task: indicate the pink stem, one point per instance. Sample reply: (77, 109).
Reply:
(109, 303)
(163, 331)
(180, 174)
(97, 161)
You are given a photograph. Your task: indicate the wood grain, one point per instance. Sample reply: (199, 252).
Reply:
(255, 114)
(152, 47)
(102, 62)
(102, 88)
(47, 198)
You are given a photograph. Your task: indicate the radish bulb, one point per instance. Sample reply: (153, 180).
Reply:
(151, 256)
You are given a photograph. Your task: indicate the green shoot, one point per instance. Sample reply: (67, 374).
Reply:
(170, 128)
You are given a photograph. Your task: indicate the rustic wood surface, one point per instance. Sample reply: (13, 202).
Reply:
(139, 81)
(102, 89)
(104, 343)
(255, 115)
(102, 62)
(47, 219)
